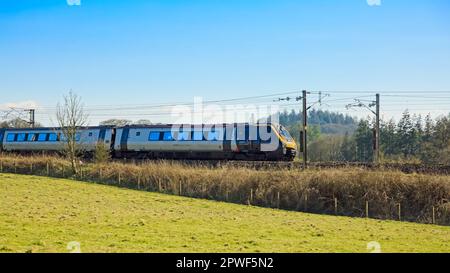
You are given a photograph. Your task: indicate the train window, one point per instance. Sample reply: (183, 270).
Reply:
(285, 134)
(183, 136)
(198, 135)
(31, 137)
(167, 136)
(78, 137)
(212, 136)
(42, 137)
(90, 134)
(21, 137)
(10, 137)
(138, 133)
(53, 137)
(154, 136)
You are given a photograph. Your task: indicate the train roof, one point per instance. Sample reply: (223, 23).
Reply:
(138, 126)
(164, 125)
(55, 128)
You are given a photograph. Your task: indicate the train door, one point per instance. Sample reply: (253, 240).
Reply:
(105, 138)
(229, 142)
(254, 139)
(242, 138)
(101, 136)
(234, 146)
(113, 138)
(2, 133)
(124, 139)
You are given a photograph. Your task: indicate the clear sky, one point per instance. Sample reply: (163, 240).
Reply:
(151, 52)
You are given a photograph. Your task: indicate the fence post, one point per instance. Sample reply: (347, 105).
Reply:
(15, 167)
(159, 185)
(367, 209)
(251, 197)
(306, 201)
(119, 178)
(399, 211)
(278, 200)
(100, 173)
(1, 166)
(434, 216)
(335, 206)
(181, 192)
(31, 168)
(48, 170)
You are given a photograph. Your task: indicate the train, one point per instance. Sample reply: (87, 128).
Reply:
(236, 141)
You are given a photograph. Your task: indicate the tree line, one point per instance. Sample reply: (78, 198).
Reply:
(412, 139)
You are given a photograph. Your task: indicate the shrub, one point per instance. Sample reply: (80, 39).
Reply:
(101, 153)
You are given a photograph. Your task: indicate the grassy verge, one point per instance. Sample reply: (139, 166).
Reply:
(348, 192)
(40, 214)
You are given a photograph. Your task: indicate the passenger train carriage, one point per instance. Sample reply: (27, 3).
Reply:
(204, 142)
(52, 139)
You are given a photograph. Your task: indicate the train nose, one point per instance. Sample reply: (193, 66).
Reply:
(291, 152)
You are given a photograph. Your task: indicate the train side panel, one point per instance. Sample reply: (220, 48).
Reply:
(140, 139)
(164, 143)
(230, 141)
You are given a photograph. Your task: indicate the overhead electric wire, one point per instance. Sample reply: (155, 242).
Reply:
(189, 103)
(410, 100)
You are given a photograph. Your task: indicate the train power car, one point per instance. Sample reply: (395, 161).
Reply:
(206, 142)
(33, 140)
(262, 142)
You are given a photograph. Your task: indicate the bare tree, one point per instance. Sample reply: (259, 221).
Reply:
(71, 116)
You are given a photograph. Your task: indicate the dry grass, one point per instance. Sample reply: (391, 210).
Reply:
(332, 191)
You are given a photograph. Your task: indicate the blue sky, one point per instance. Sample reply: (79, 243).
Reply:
(147, 52)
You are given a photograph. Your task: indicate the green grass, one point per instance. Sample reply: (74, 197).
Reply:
(40, 214)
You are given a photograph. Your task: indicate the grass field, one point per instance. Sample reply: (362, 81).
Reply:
(40, 214)
(387, 194)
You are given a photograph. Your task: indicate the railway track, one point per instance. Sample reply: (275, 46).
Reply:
(267, 165)
(406, 168)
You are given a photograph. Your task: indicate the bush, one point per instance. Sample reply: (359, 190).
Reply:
(101, 154)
